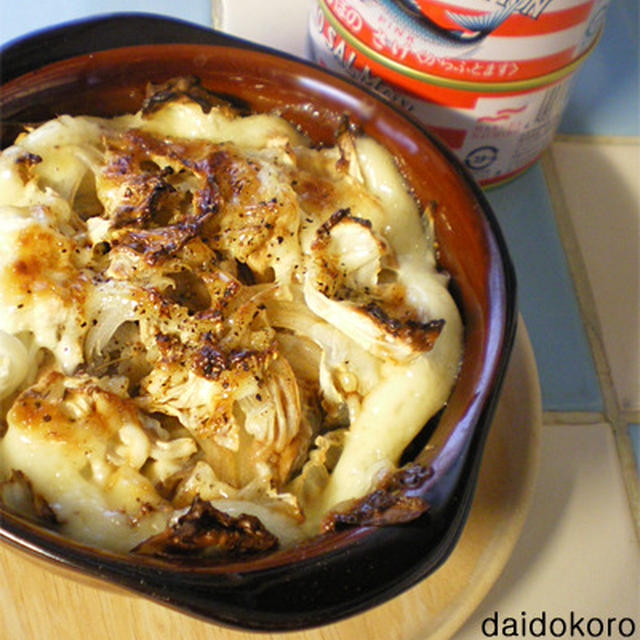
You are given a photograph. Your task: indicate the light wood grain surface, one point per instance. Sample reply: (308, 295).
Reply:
(38, 603)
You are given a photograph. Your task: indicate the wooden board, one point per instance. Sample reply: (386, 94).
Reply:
(38, 603)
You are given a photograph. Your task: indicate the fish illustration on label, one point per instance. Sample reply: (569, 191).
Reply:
(404, 20)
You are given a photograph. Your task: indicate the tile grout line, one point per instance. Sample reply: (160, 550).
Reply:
(612, 412)
(550, 418)
(632, 416)
(586, 139)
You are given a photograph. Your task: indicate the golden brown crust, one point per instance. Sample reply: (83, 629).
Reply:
(383, 304)
(391, 502)
(420, 335)
(46, 264)
(204, 527)
(185, 88)
(18, 495)
(44, 407)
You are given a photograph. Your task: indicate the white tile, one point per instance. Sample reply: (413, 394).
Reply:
(578, 550)
(601, 184)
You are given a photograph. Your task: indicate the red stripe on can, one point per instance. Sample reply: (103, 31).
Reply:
(491, 71)
(459, 69)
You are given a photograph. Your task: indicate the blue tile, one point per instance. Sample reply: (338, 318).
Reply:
(605, 94)
(546, 296)
(634, 434)
(19, 18)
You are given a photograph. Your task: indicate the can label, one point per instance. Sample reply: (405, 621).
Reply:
(473, 40)
(495, 135)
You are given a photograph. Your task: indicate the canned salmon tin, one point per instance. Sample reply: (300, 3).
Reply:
(497, 129)
(472, 40)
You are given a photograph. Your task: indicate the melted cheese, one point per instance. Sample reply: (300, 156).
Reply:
(202, 304)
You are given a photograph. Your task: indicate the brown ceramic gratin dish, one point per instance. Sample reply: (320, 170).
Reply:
(101, 67)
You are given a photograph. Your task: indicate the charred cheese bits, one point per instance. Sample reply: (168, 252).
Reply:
(213, 334)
